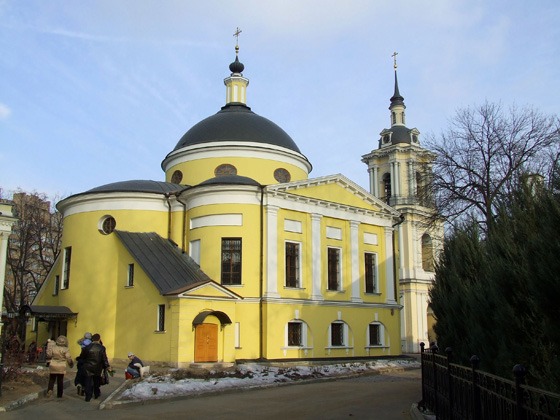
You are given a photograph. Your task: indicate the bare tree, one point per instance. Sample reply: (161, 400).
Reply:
(33, 247)
(482, 155)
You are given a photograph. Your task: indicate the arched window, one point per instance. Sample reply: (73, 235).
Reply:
(387, 187)
(427, 253)
(297, 334)
(420, 189)
(375, 334)
(340, 334)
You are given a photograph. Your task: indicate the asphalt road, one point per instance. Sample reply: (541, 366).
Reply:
(376, 397)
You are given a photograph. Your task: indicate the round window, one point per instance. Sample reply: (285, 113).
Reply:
(177, 177)
(282, 175)
(225, 169)
(107, 224)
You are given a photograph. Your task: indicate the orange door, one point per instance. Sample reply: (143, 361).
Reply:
(206, 343)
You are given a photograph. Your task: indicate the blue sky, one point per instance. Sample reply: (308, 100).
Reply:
(100, 91)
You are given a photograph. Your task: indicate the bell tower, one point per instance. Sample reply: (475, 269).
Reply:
(400, 174)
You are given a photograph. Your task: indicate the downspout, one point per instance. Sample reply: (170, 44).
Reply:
(168, 216)
(395, 261)
(261, 278)
(183, 235)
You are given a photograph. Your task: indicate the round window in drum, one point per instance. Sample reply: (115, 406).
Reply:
(177, 177)
(225, 169)
(107, 225)
(282, 175)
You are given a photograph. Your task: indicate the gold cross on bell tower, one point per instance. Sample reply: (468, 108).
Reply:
(236, 35)
(395, 58)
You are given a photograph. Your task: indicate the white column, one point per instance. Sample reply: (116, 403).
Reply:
(371, 172)
(376, 182)
(316, 257)
(272, 252)
(389, 262)
(355, 258)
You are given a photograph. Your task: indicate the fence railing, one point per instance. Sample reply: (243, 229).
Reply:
(455, 392)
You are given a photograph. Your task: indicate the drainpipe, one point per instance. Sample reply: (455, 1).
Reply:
(168, 216)
(183, 236)
(261, 278)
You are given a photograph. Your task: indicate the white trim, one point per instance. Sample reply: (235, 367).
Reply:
(231, 219)
(272, 252)
(293, 226)
(316, 246)
(194, 250)
(334, 233)
(370, 238)
(300, 263)
(355, 261)
(107, 202)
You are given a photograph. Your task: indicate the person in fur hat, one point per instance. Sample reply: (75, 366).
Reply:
(59, 356)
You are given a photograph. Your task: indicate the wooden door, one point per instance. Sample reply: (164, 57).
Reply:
(206, 343)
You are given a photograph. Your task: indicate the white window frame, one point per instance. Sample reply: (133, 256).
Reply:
(160, 327)
(299, 267)
(345, 335)
(66, 265)
(375, 273)
(339, 270)
(381, 335)
(194, 250)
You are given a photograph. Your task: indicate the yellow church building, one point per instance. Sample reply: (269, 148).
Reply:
(239, 255)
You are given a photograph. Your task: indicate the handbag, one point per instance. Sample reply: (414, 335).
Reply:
(104, 377)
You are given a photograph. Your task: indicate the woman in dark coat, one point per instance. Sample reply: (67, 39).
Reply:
(95, 360)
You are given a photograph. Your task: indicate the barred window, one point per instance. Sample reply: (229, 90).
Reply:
(333, 269)
(231, 260)
(370, 272)
(374, 335)
(130, 276)
(292, 264)
(66, 268)
(56, 284)
(161, 318)
(294, 334)
(337, 334)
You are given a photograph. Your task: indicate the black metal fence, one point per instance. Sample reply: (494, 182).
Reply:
(455, 392)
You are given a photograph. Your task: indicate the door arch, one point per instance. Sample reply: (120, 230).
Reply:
(206, 336)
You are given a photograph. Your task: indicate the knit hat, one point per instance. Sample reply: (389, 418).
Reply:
(87, 336)
(130, 354)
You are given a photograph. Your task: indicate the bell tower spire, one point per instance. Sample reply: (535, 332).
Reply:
(397, 106)
(236, 84)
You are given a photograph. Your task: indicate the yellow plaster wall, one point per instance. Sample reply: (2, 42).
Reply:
(261, 170)
(334, 193)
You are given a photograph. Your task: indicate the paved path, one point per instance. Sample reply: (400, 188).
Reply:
(376, 397)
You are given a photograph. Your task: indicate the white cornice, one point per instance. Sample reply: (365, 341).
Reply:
(399, 148)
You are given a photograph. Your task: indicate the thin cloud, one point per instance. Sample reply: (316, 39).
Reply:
(5, 112)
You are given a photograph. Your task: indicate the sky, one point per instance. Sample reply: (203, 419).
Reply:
(101, 91)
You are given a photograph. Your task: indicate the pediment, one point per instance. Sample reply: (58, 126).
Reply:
(208, 290)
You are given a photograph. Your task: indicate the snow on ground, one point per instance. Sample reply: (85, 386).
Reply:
(250, 375)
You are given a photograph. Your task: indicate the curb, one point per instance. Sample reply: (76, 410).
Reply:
(30, 397)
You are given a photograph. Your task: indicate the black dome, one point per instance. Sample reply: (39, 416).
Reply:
(230, 179)
(236, 122)
(141, 185)
(401, 134)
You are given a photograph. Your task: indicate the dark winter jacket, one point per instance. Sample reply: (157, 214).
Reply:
(94, 358)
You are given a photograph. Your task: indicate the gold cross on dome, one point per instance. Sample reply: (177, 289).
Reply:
(395, 58)
(236, 35)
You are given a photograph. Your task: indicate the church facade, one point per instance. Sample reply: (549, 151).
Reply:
(238, 254)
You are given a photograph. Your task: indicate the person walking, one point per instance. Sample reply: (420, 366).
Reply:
(59, 356)
(79, 380)
(95, 360)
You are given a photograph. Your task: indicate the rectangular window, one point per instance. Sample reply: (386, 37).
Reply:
(161, 318)
(66, 269)
(294, 334)
(292, 264)
(337, 334)
(56, 284)
(374, 336)
(194, 250)
(231, 260)
(334, 273)
(370, 272)
(130, 277)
